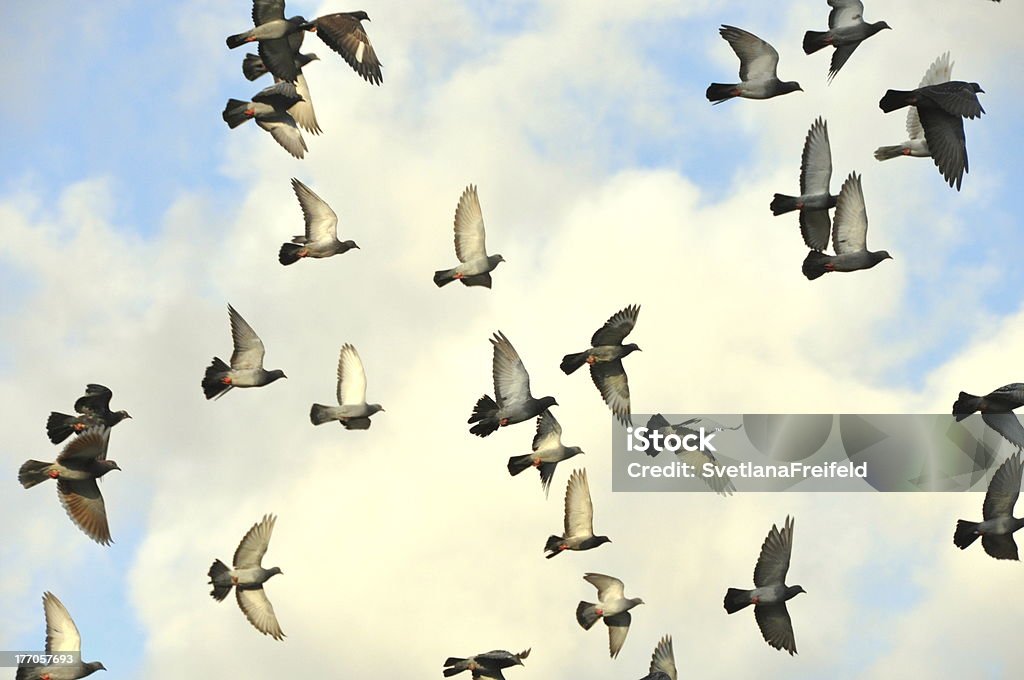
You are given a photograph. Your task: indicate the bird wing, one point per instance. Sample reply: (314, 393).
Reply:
(257, 608)
(96, 400)
(816, 162)
(845, 13)
(663, 660)
(773, 562)
(547, 473)
(264, 11)
(278, 57)
(758, 59)
(608, 587)
(469, 227)
(839, 57)
(281, 95)
(1007, 425)
(616, 328)
(1000, 546)
(815, 227)
(61, 632)
(956, 98)
(90, 446)
(351, 377)
(618, 628)
(83, 502)
(345, 35)
(302, 111)
(944, 133)
(940, 71)
(549, 432)
(1012, 395)
(254, 544)
(579, 509)
(321, 221)
(1004, 489)
(511, 381)
(249, 350)
(850, 227)
(285, 132)
(776, 626)
(611, 381)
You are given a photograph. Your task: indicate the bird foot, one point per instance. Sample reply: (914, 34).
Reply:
(249, 113)
(591, 360)
(53, 474)
(755, 600)
(906, 152)
(599, 612)
(459, 276)
(536, 462)
(830, 267)
(304, 252)
(226, 380)
(503, 422)
(78, 427)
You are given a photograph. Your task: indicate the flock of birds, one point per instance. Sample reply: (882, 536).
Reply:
(935, 128)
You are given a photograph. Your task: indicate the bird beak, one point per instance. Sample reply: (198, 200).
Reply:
(127, 415)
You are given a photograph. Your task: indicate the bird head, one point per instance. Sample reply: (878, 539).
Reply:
(882, 25)
(106, 466)
(360, 15)
(882, 255)
(636, 601)
(601, 540)
(273, 571)
(793, 591)
(374, 408)
(547, 402)
(632, 347)
(350, 244)
(121, 415)
(574, 451)
(94, 666)
(496, 259)
(275, 374)
(977, 88)
(791, 86)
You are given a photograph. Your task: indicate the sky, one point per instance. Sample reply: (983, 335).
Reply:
(132, 216)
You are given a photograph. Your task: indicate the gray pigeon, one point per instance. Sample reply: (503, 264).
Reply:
(613, 606)
(80, 464)
(579, 519)
(514, 403)
(352, 411)
(996, 530)
(849, 236)
(846, 30)
(605, 360)
(996, 409)
(720, 484)
(248, 578)
(814, 200)
(916, 146)
(246, 369)
(476, 265)
(321, 237)
(771, 592)
(272, 31)
(942, 109)
(663, 661)
(343, 32)
(94, 411)
(487, 665)
(62, 637)
(758, 64)
(302, 111)
(269, 108)
(548, 451)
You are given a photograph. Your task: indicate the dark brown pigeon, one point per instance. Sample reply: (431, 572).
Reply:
(344, 33)
(94, 411)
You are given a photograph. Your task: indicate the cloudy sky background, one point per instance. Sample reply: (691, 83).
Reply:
(132, 216)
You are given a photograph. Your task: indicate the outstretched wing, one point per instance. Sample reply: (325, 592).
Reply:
(773, 562)
(254, 544)
(249, 348)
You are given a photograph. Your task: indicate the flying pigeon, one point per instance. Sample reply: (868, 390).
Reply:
(352, 412)
(996, 409)
(579, 519)
(996, 530)
(246, 368)
(487, 665)
(271, 30)
(663, 661)
(476, 265)
(771, 592)
(942, 109)
(62, 637)
(613, 607)
(94, 411)
(605, 360)
(846, 30)
(321, 237)
(849, 236)
(940, 71)
(343, 32)
(302, 111)
(722, 485)
(814, 200)
(269, 108)
(248, 578)
(548, 451)
(758, 63)
(514, 403)
(79, 465)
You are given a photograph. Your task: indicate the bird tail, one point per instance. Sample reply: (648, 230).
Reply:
(965, 533)
(289, 253)
(253, 66)
(234, 112)
(814, 265)
(220, 579)
(894, 99)
(517, 464)
(571, 362)
(965, 405)
(736, 599)
(884, 153)
(237, 40)
(552, 545)
(319, 414)
(33, 472)
(59, 427)
(718, 92)
(443, 277)
(485, 416)
(212, 385)
(814, 41)
(782, 204)
(586, 614)
(451, 661)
